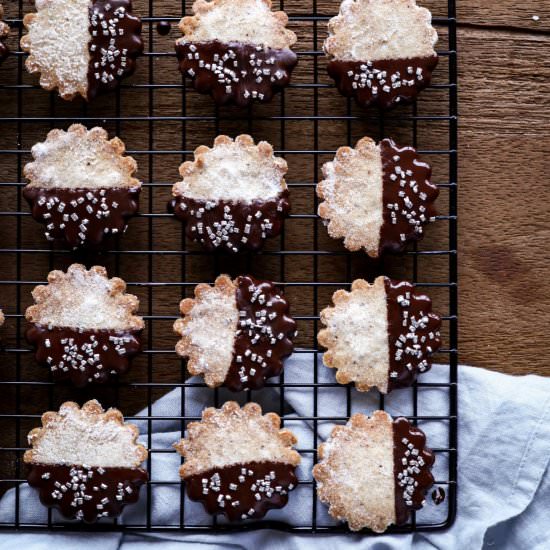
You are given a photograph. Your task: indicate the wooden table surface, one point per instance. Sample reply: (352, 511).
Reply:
(504, 194)
(504, 91)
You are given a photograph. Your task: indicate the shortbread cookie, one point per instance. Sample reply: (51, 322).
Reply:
(373, 472)
(84, 326)
(235, 333)
(238, 462)
(381, 51)
(82, 187)
(232, 196)
(238, 51)
(82, 47)
(85, 462)
(4, 32)
(380, 335)
(377, 197)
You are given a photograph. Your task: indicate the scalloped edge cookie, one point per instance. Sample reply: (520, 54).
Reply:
(381, 52)
(86, 461)
(233, 196)
(235, 333)
(373, 472)
(238, 462)
(380, 335)
(377, 197)
(82, 187)
(81, 47)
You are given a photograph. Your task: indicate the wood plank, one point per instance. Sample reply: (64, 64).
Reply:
(505, 13)
(504, 162)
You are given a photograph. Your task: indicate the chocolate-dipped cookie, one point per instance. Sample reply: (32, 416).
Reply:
(83, 325)
(373, 472)
(381, 51)
(381, 335)
(4, 33)
(238, 51)
(82, 47)
(377, 197)
(233, 196)
(85, 462)
(235, 333)
(82, 187)
(238, 462)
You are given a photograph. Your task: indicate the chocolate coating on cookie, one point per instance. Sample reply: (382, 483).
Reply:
(231, 226)
(264, 336)
(412, 462)
(386, 82)
(236, 72)
(84, 356)
(115, 44)
(243, 491)
(408, 196)
(86, 493)
(83, 218)
(413, 333)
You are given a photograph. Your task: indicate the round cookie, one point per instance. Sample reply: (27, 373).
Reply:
(83, 325)
(381, 51)
(380, 335)
(235, 333)
(238, 51)
(377, 197)
(82, 187)
(373, 472)
(82, 47)
(233, 196)
(238, 462)
(85, 462)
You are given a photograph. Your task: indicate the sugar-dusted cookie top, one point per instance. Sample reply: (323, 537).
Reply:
(381, 51)
(85, 436)
(84, 299)
(376, 196)
(372, 30)
(234, 435)
(374, 471)
(233, 170)
(83, 326)
(81, 158)
(380, 335)
(235, 333)
(238, 462)
(86, 461)
(232, 195)
(238, 51)
(246, 21)
(82, 47)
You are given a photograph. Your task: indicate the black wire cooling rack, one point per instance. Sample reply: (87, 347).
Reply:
(161, 119)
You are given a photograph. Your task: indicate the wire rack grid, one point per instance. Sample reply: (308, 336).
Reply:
(161, 119)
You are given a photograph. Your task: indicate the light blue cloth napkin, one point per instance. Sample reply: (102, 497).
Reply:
(504, 482)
